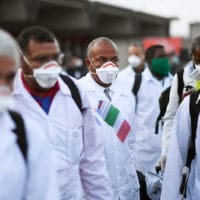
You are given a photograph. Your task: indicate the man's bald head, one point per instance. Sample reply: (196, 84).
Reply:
(96, 42)
(136, 49)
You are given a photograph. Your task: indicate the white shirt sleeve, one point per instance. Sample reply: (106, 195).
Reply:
(41, 174)
(94, 177)
(132, 120)
(169, 115)
(176, 156)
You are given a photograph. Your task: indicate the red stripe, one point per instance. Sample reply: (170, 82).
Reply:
(123, 131)
(50, 65)
(104, 66)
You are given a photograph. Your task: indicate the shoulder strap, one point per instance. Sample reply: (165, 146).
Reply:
(74, 90)
(137, 83)
(180, 83)
(20, 132)
(163, 102)
(194, 114)
(136, 86)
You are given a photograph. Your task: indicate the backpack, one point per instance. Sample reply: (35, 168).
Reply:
(74, 90)
(20, 132)
(194, 114)
(164, 98)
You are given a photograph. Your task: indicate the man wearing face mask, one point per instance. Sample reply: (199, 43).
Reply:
(191, 80)
(26, 169)
(181, 175)
(155, 79)
(42, 95)
(102, 62)
(131, 76)
(136, 60)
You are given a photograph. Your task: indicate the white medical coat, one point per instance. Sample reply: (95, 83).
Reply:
(147, 147)
(176, 157)
(78, 147)
(32, 179)
(120, 168)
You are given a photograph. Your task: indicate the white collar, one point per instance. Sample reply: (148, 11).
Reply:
(96, 86)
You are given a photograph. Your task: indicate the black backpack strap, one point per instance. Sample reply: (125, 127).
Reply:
(74, 90)
(194, 107)
(20, 132)
(163, 102)
(180, 83)
(194, 114)
(136, 85)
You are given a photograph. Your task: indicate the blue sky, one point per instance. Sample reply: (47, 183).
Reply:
(186, 10)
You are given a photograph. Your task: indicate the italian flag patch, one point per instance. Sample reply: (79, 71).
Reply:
(112, 116)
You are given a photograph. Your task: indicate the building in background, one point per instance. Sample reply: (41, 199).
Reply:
(76, 22)
(194, 30)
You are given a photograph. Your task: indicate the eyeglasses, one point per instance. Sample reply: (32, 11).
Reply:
(41, 59)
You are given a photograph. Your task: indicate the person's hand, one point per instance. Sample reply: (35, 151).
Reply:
(154, 190)
(162, 162)
(154, 185)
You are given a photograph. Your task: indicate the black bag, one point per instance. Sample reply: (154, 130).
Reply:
(20, 132)
(164, 98)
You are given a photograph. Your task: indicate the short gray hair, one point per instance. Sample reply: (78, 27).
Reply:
(9, 47)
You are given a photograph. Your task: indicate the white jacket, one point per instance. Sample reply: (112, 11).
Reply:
(173, 105)
(126, 77)
(147, 148)
(22, 179)
(77, 145)
(176, 157)
(122, 174)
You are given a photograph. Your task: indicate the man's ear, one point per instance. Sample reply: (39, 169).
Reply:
(23, 62)
(87, 63)
(149, 63)
(26, 68)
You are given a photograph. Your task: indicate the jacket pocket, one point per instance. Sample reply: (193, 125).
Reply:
(68, 146)
(75, 138)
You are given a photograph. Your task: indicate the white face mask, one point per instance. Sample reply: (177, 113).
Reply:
(196, 72)
(78, 63)
(107, 73)
(5, 99)
(134, 61)
(47, 75)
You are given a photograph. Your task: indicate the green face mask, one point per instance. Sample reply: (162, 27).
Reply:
(160, 66)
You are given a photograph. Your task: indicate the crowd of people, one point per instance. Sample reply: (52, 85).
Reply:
(101, 137)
